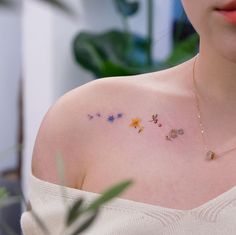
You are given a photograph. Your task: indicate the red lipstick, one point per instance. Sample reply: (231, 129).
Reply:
(229, 11)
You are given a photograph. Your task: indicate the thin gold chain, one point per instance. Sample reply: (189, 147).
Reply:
(198, 106)
(210, 155)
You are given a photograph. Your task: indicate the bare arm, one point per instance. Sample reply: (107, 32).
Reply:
(63, 130)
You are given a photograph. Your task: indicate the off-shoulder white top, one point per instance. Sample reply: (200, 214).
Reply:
(127, 217)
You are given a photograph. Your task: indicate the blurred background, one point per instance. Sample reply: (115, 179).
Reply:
(48, 47)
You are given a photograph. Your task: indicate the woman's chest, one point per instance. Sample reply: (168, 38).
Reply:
(175, 176)
(162, 150)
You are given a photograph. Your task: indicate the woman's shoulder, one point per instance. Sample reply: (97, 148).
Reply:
(173, 78)
(65, 132)
(66, 129)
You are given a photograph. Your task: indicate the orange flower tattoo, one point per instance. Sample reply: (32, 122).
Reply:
(136, 122)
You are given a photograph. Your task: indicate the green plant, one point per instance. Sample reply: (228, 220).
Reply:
(74, 213)
(77, 210)
(116, 52)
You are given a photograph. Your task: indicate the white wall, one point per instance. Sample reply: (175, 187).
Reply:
(10, 62)
(49, 68)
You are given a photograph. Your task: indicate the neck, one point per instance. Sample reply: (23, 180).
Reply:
(215, 76)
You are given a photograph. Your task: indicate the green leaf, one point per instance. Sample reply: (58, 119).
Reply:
(77, 210)
(86, 223)
(112, 53)
(74, 211)
(108, 194)
(87, 53)
(126, 8)
(183, 50)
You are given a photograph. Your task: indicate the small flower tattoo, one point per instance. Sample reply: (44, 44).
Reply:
(119, 115)
(174, 134)
(136, 123)
(155, 120)
(90, 117)
(111, 118)
(180, 131)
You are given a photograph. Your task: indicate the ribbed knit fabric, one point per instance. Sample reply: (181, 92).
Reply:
(128, 217)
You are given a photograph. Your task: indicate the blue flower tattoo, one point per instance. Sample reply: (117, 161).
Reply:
(111, 118)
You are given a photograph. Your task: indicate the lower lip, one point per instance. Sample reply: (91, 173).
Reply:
(230, 16)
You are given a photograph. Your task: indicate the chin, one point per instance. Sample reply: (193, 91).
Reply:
(222, 43)
(227, 50)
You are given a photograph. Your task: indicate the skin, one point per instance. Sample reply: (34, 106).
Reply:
(174, 174)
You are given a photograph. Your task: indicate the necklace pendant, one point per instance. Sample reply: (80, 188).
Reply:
(210, 155)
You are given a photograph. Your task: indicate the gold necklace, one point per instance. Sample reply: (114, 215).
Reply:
(210, 154)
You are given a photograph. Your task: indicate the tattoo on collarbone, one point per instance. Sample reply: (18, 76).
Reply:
(90, 117)
(112, 118)
(155, 120)
(136, 123)
(174, 133)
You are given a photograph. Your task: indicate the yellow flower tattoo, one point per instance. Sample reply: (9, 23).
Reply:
(136, 122)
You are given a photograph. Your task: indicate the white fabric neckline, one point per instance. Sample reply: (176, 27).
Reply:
(74, 193)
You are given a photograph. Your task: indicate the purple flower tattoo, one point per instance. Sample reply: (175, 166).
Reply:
(111, 118)
(119, 115)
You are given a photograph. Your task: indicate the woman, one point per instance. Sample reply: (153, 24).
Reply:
(172, 131)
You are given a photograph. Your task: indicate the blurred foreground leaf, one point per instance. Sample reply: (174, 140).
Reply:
(109, 194)
(91, 211)
(74, 211)
(80, 225)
